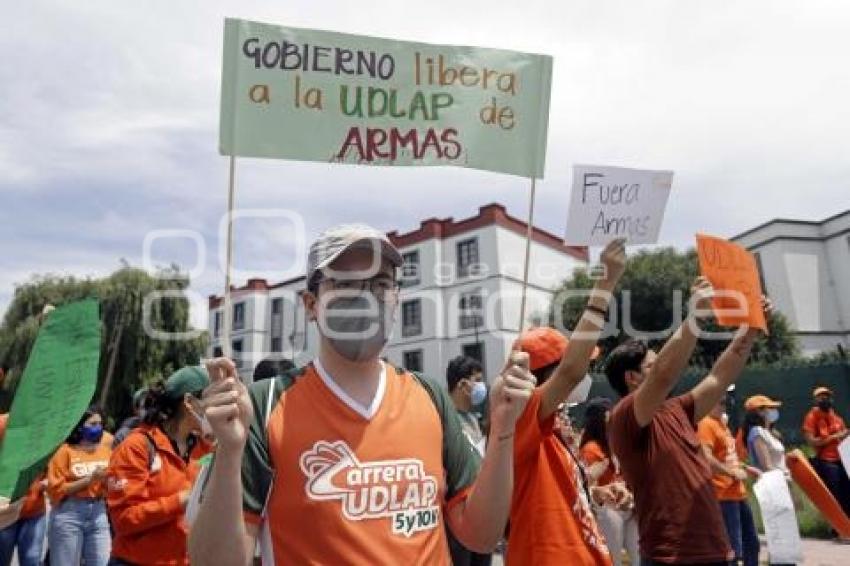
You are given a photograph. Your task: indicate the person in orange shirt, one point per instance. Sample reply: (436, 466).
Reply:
(78, 526)
(824, 430)
(551, 520)
(728, 478)
(613, 502)
(350, 460)
(151, 473)
(26, 534)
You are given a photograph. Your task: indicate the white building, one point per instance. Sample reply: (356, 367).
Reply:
(461, 288)
(805, 269)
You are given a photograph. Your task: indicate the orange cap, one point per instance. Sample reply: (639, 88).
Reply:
(821, 391)
(761, 402)
(545, 346)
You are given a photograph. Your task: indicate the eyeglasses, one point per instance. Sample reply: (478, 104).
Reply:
(381, 287)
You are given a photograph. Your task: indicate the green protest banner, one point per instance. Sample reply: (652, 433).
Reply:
(56, 387)
(321, 96)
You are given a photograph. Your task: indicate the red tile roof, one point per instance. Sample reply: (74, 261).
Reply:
(435, 228)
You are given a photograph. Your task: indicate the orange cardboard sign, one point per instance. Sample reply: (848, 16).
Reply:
(732, 271)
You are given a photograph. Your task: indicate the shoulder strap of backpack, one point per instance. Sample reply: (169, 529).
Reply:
(433, 392)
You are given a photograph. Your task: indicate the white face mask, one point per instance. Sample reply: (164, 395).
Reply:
(581, 391)
(206, 428)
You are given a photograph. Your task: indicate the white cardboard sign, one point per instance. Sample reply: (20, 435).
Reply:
(780, 520)
(614, 202)
(844, 452)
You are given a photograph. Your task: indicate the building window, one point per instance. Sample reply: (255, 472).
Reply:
(467, 258)
(238, 316)
(760, 269)
(411, 318)
(476, 352)
(277, 345)
(471, 306)
(277, 306)
(410, 269)
(412, 360)
(217, 324)
(236, 352)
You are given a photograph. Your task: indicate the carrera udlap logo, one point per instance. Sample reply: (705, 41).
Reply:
(399, 490)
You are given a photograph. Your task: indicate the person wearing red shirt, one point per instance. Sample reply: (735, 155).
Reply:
(654, 437)
(824, 430)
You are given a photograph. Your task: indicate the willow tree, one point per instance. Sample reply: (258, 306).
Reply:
(131, 355)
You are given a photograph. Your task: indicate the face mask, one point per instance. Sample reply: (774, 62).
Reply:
(91, 434)
(206, 429)
(356, 337)
(825, 404)
(581, 391)
(478, 394)
(771, 416)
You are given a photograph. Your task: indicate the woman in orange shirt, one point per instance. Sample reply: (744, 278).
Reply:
(612, 501)
(152, 471)
(76, 487)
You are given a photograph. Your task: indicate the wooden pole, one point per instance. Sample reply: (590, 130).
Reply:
(227, 314)
(528, 237)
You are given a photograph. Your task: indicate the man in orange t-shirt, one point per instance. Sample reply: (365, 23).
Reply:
(824, 430)
(551, 519)
(350, 460)
(728, 475)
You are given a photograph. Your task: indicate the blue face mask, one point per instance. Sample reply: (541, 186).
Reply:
(91, 433)
(478, 394)
(771, 416)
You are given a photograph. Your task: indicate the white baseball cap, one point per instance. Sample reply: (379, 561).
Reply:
(333, 242)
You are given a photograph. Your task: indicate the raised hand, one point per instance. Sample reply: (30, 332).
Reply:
(613, 257)
(226, 405)
(511, 392)
(701, 293)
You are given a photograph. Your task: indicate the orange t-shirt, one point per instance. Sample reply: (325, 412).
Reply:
(71, 463)
(551, 520)
(34, 501)
(337, 483)
(821, 424)
(592, 453)
(144, 497)
(719, 439)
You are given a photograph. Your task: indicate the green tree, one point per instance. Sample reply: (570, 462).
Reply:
(130, 357)
(652, 297)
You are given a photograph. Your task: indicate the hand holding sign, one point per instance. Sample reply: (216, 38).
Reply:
(226, 405)
(510, 394)
(733, 273)
(614, 202)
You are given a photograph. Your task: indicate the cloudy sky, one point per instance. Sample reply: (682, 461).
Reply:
(109, 123)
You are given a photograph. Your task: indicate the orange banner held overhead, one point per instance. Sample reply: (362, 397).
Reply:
(729, 267)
